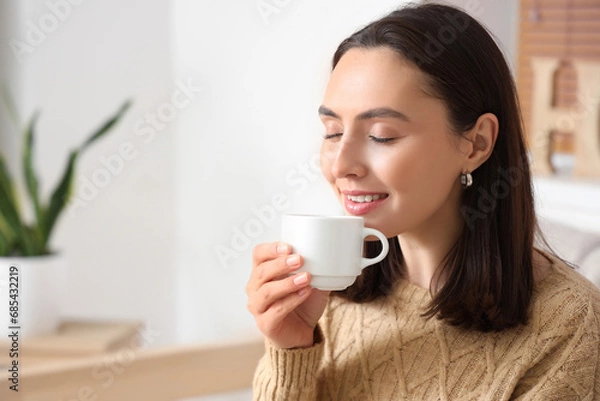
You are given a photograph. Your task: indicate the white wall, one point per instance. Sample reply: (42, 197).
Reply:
(250, 137)
(146, 245)
(120, 244)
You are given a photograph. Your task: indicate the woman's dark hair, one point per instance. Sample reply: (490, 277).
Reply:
(488, 273)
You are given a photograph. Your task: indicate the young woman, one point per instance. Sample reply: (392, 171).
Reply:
(421, 109)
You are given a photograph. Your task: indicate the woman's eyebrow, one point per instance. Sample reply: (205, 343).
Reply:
(382, 112)
(324, 111)
(379, 112)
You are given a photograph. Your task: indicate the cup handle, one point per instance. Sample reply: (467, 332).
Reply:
(386, 247)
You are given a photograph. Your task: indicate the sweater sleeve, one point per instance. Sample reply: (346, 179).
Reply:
(570, 369)
(288, 374)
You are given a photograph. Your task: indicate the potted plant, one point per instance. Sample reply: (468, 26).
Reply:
(33, 276)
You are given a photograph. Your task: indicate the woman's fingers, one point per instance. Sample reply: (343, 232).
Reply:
(269, 250)
(273, 269)
(269, 322)
(280, 298)
(271, 292)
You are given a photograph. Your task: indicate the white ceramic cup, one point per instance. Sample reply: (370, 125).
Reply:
(331, 246)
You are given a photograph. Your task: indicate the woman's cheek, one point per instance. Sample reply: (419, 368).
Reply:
(327, 156)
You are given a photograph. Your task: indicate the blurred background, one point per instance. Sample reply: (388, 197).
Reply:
(222, 138)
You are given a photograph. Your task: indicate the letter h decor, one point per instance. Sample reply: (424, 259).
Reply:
(582, 119)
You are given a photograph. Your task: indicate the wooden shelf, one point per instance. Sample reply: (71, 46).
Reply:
(79, 338)
(96, 360)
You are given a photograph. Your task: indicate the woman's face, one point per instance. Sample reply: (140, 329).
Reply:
(385, 137)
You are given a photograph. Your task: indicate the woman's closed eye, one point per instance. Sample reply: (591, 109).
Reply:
(381, 139)
(331, 136)
(372, 137)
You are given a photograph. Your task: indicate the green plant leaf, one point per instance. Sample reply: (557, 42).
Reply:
(6, 182)
(6, 235)
(17, 237)
(36, 246)
(27, 243)
(63, 191)
(4, 245)
(8, 207)
(106, 126)
(10, 224)
(31, 180)
(5, 228)
(60, 197)
(13, 232)
(10, 214)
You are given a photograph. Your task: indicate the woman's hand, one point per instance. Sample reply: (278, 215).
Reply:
(286, 308)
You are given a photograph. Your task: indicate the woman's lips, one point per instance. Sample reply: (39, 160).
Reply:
(360, 208)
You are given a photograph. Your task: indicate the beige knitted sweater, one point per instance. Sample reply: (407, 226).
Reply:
(384, 350)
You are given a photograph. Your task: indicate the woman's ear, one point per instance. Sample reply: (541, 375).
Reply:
(482, 139)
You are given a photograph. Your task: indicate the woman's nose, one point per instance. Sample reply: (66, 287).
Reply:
(347, 160)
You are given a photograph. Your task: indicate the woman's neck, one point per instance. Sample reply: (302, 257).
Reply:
(424, 248)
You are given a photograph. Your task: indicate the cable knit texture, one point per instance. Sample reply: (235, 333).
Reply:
(384, 350)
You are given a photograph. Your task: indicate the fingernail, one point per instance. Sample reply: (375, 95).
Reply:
(293, 260)
(302, 292)
(282, 248)
(301, 279)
